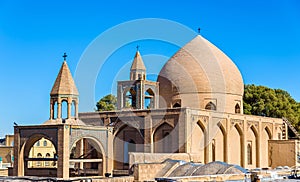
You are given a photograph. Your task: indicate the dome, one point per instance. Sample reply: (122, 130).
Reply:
(200, 73)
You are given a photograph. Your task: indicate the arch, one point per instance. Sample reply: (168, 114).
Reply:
(265, 137)
(199, 141)
(252, 139)
(255, 147)
(220, 143)
(267, 129)
(87, 147)
(124, 134)
(210, 106)
(162, 138)
(149, 99)
(176, 105)
(25, 155)
(129, 96)
(237, 109)
(64, 109)
(235, 139)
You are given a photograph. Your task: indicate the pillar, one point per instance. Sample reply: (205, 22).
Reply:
(81, 144)
(76, 109)
(18, 169)
(226, 144)
(148, 139)
(69, 108)
(59, 109)
(63, 152)
(244, 144)
(51, 110)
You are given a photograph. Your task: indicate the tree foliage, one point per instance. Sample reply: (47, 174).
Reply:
(264, 101)
(107, 103)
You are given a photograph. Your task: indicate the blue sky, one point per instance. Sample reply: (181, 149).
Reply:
(261, 37)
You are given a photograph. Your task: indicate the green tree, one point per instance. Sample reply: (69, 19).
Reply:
(107, 103)
(264, 101)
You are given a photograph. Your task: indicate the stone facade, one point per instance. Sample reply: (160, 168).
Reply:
(195, 110)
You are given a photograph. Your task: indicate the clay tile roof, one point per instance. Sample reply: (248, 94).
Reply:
(64, 83)
(138, 63)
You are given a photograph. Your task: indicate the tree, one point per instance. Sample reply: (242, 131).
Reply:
(264, 101)
(107, 103)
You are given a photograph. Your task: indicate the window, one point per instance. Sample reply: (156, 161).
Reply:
(47, 163)
(237, 109)
(37, 143)
(249, 154)
(45, 143)
(210, 106)
(176, 105)
(39, 163)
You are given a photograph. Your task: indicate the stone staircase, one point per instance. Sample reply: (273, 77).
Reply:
(292, 128)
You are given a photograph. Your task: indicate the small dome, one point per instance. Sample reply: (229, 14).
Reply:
(199, 69)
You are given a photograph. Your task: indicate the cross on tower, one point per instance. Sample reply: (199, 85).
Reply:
(137, 47)
(199, 30)
(65, 56)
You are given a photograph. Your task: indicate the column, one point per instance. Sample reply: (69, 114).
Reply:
(244, 144)
(76, 109)
(18, 169)
(63, 152)
(59, 109)
(69, 108)
(51, 110)
(258, 145)
(148, 139)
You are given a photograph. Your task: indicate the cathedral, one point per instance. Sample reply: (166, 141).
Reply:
(195, 109)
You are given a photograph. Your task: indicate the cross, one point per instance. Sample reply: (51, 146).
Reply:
(65, 56)
(137, 47)
(199, 30)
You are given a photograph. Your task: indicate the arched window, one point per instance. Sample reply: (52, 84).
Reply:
(39, 163)
(45, 143)
(37, 143)
(210, 106)
(249, 154)
(64, 109)
(47, 163)
(130, 99)
(237, 109)
(176, 105)
(149, 99)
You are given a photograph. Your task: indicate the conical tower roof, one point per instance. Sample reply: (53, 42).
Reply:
(64, 83)
(138, 63)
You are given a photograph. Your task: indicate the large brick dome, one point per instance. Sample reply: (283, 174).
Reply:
(199, 74)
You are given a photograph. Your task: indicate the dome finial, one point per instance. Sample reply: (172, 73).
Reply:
(65, 56)
(137, 48)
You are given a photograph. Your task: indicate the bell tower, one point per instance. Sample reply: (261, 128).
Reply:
(138, 69)
(64, 90)
(137, 93)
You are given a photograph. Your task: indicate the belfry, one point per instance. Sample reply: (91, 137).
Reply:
(138, 92)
